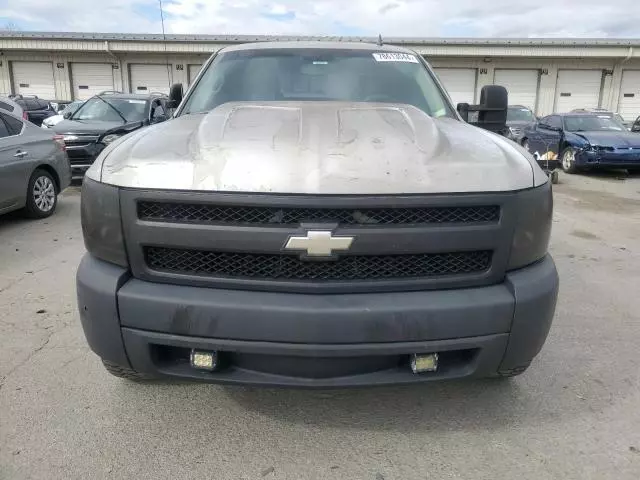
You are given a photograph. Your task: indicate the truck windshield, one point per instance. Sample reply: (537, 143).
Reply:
(315, 74)
(111, 110)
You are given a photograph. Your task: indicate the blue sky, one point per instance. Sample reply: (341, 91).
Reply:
(424, 18)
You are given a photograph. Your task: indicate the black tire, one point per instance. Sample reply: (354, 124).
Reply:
(569, 164)
(42, 195)
(126, 373)
(512, 372)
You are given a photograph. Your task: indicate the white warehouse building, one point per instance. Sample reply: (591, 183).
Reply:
(547, 75)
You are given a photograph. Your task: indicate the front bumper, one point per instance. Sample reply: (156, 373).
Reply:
(82, 153)
(616, 159)
(308, 340)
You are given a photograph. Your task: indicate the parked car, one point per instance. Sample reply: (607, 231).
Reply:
(36, 108)
(105, 118)
(66, 112)
(59, 105)
(316, 214)
(518, 117)
(603, 111)
(582, 141)
(9, 106)
(34, 168)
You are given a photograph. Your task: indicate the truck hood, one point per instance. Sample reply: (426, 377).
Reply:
(316, 148)
(84, 127)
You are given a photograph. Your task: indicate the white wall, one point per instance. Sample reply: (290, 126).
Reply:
(180, 67)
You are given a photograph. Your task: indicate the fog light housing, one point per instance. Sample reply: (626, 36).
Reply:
(424, 362)
(204, 360)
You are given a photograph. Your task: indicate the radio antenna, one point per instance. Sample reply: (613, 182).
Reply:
(164, 41)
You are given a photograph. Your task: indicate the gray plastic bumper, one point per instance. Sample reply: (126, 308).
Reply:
(316, 340)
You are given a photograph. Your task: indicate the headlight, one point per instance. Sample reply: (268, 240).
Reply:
(533, 226)
(107, 139)
(101, 223)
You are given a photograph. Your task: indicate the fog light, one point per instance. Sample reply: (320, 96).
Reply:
(204, 360)
(424, 362)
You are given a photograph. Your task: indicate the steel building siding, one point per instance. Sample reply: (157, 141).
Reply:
(34, 78)
(578, 89)
(459, 82)
(148, 78)
(89, 79)
(522, 86)
(629, 100)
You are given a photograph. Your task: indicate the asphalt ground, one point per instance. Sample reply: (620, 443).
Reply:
(575, 414)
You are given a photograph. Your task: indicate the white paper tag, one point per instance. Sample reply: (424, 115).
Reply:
(394, 57)
(136, 101)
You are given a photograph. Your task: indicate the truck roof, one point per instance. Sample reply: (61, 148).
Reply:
(330, 45)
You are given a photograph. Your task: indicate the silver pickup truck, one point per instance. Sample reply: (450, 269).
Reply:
(317, 215)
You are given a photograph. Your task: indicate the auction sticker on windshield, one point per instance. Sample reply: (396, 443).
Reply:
(394, 57)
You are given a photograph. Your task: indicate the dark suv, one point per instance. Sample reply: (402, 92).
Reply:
(35, 109)
(105, 118)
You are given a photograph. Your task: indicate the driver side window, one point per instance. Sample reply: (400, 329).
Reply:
(158, 113)
(550, 122)
(555, 122)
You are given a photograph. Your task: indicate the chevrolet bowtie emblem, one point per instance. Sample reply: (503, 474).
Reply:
(319, 243)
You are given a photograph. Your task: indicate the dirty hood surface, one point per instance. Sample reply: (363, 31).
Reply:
(315, 148)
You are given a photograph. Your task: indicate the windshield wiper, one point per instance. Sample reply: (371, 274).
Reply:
(114, 108)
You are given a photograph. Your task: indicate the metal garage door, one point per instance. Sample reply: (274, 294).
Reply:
(193, 72)
(459, 82)
(578, 89)
(522, 86)
(629, 103)
(34, 78)
(149, 78)
(89, 79)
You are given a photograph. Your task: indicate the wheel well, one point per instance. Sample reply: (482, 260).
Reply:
(563, 145)
(51, 171)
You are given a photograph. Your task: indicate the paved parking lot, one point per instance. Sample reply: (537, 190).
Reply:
(574, 415)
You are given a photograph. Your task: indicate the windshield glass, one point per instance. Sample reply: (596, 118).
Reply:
(111, 110)
(519, 114)
(72, 107)
(587, 123)
(317, 75)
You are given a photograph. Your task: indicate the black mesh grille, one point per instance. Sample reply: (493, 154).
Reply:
(207, 213)
(290, 267)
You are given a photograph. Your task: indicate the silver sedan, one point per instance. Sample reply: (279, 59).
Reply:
(34, 167)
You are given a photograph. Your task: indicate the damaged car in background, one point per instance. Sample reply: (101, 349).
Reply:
(583, 141)
(103, 119)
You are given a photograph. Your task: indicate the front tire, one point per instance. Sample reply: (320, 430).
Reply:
(42, 195)
(569, 160)
(512, 372)
(124, 372)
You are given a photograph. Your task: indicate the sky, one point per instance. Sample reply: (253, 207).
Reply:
(417, 18)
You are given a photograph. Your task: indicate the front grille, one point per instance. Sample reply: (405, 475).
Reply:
(80, 160)
(221, 214)
(290, 267)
